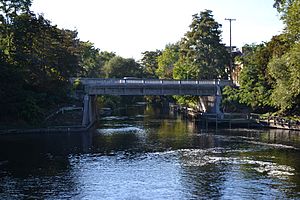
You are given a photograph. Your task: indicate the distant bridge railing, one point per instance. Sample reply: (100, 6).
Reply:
(113, 81)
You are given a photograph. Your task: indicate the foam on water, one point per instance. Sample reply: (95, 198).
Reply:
(201, 157)
(110, 118)
(123, 130)
(280, 146)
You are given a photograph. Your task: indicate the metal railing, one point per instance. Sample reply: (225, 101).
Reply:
(100, 81)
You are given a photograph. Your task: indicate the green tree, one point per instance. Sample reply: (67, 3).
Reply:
(270, 74)
(166, 61)
(202, 56)
(106, 56)
(11, 86)
(119, 67)
(286, 72)
(290, 14)
(256, 83)
(11, 8)
(93, 60)
(42, 57)
(149, 63)
(48, 55)
(254, 88)
(284, 68)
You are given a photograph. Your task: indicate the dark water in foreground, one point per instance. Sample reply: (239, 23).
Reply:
(146, 155)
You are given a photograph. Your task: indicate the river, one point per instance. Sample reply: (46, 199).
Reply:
(142, 153)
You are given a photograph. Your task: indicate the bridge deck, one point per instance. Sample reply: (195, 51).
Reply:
(96, 86)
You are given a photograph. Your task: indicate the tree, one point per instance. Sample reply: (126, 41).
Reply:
(11, 8)
(11, 86)
(284, 68)
(166, 61)
(119, 67)
(106, 56)
(93, 60)
(48, 55)
(42, 58)
(290, 14)
(286, 72)
(149, 63)
(202, 56)
(254, 88)
(270, 78)
(90, 60)
(256, 83)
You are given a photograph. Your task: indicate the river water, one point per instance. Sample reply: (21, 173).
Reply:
(141, 153)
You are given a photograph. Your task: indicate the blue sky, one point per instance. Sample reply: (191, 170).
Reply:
(129, 27)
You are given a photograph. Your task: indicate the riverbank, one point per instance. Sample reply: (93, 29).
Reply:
(231, 120)
(224, 120)
(46, 130)
(64, 119)
(280, 123)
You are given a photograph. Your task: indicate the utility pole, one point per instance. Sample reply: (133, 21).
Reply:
(231, 64)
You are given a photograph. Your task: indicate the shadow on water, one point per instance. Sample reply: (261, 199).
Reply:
(141, 152)
(37, 165)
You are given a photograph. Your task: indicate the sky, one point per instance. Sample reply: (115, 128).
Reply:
(130, 27)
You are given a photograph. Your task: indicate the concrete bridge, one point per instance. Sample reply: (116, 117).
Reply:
(145, 87)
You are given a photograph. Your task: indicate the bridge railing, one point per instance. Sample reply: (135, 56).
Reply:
(99, 81)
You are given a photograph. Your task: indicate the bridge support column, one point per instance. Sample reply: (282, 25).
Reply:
(203, 107)
(89, 110)
(218, 101)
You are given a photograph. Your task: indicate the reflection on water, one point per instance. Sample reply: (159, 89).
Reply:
(144, 154)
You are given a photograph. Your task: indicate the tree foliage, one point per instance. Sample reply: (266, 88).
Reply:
(93, 60)
(119, 67)
(37, 59)
(11, 8)
(149, 63)
(90, 60)
(166, 61)
(254, 89)
(290, 14)
(202, 56)
(256, 82)
(271, 71)
(286, 72)
(284, 69)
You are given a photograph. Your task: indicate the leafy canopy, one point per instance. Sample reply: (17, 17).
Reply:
(202, 56)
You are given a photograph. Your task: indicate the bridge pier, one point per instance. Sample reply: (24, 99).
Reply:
(218, 101)
(89, 110)
(212, 104)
